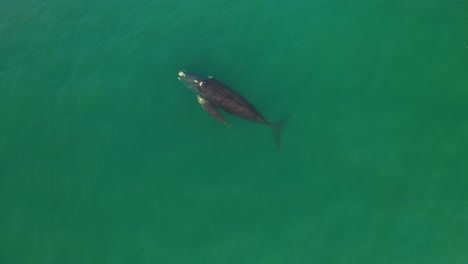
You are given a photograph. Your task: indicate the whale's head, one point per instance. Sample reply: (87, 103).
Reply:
(192, 81)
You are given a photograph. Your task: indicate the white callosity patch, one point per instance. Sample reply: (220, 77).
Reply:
(201, 100)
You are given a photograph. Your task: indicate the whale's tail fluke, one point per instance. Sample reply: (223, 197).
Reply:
(277, 130)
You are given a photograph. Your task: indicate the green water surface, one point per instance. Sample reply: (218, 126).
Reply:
(105, 157)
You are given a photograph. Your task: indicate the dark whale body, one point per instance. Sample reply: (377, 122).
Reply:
(213, 95)
(221, 96)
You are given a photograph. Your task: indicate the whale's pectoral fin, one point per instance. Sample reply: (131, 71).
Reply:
(212, 110)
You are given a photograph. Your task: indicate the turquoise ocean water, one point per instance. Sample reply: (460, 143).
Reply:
(105, 157)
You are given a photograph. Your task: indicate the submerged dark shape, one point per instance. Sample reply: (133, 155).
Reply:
(213, 95)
